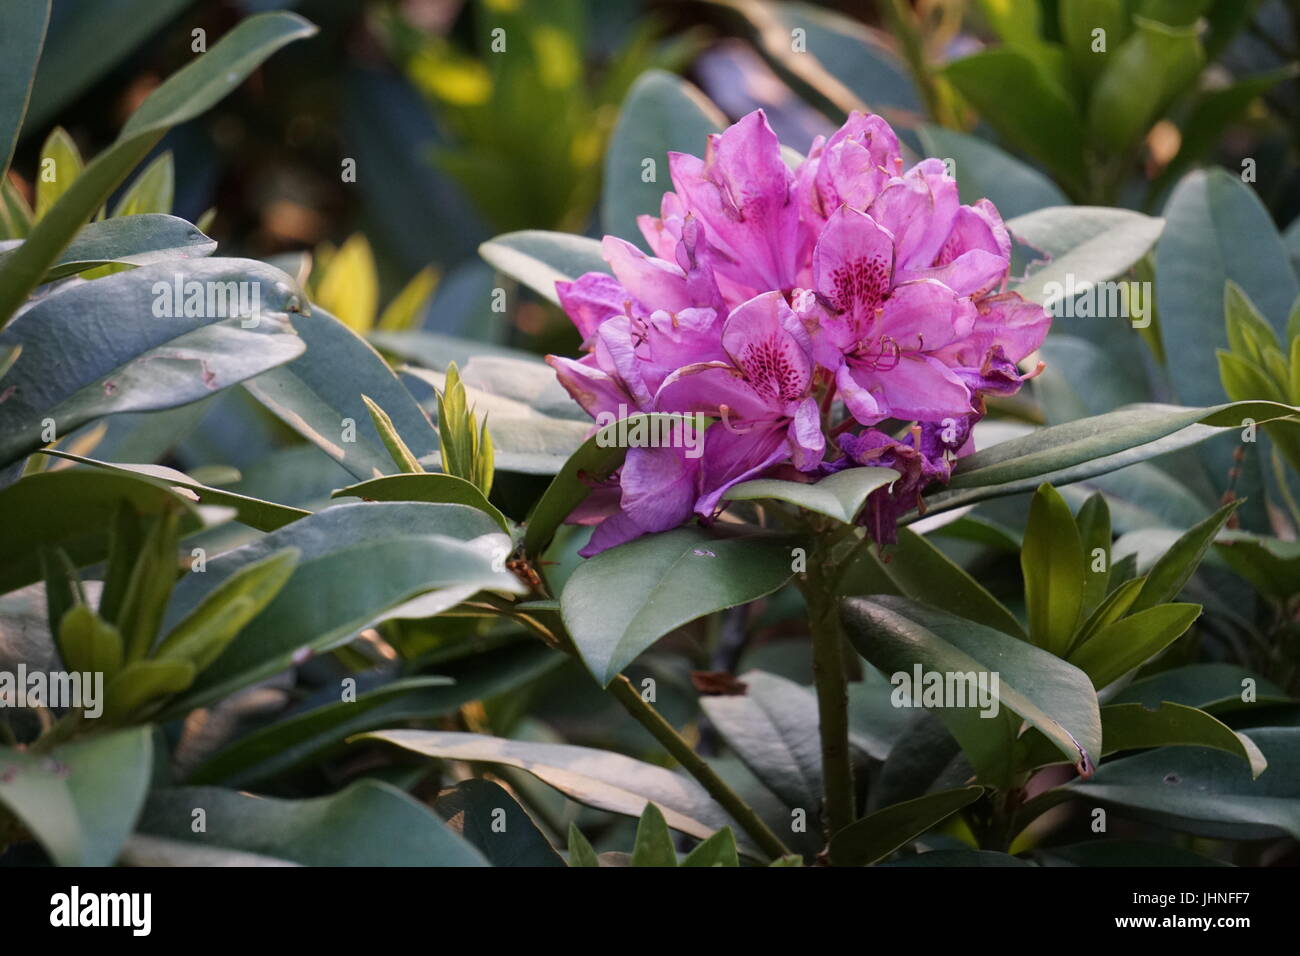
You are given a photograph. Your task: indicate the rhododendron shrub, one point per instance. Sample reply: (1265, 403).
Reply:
(848, 312)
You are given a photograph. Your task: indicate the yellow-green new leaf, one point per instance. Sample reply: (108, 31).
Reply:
(401, 455)
(1132, 641)
(1053, 564)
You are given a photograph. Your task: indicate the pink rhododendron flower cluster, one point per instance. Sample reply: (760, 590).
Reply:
(844, 313)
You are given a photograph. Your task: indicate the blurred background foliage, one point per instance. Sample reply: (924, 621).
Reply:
(372, 160)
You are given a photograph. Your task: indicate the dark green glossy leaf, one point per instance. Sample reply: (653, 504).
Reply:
(366, 824)
(877, 835)
(1130, 642)
(1052, 561)
(664, 581)
(20, 49)
(924, 573)
(489, 819)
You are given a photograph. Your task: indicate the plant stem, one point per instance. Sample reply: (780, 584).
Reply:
(839, 809)
(683, 753)
(902, 23)
(622, 691)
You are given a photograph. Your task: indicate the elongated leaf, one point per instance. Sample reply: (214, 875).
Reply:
(299, 738)
(840, 496)
(1135, 727)
(134, 240)
(117, 344)
(188, 93)
(152, 191)
(108, 777)
(897, 635)
(717, 850)
(1027, 106)
(1167, 577)
(20, 49)
(72, 510)
(34, 791)
(490, 820)
(539, 259)
(773, 728)
(580, 850)
(924, 573)
(424, 487)
(1215, 688)
(597, 778)
(879, 834)
(319, 396)
(654, 844)
(1053, 564)
(1271, 565)
(373, 560)
(1089, 447)
(367, 824)
(1083, 245)
(254, 512)
(1205, 791)
(664, 581)
(661, 112)
(1131, 641)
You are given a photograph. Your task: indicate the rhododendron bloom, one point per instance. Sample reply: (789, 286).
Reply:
(803, 311)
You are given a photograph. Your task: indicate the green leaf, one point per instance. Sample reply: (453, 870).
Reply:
(397, 450)
(1131, 641)
(108, 778)
(375, 561)
(1079, 21)
(985, 172)
(654, 844)
(1113, 607)
(72, 510)
(924, 573)
(464, 446)
(20, 49)
(661, 112)
(1082, 245)
(406, 310)
(61, 164)
(88, 644)
(299, 738)
(1017, 96)
(207, 630)
(254, 512)
(366, 824)
(35, 791)
(772, 727)
(153, 190)
(839, 496)
(879, 834)
(1217, 230)
(1142, 76)
(1270, 564)
(598, 778)
(135, 240)
(183, 96)
(896, 634)
(430, 487)
(717, 850)
(664, 581)
(1204, 791)
(1136, 727)
(488, 818)
(319, 396)
(1093, 522)
(1217, 688)
(1176, 566)
(1109, 853)
(580, 851)
(1052, 561)
(145, 682)
(1093, 446)
(132, 358)
(539, 259)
